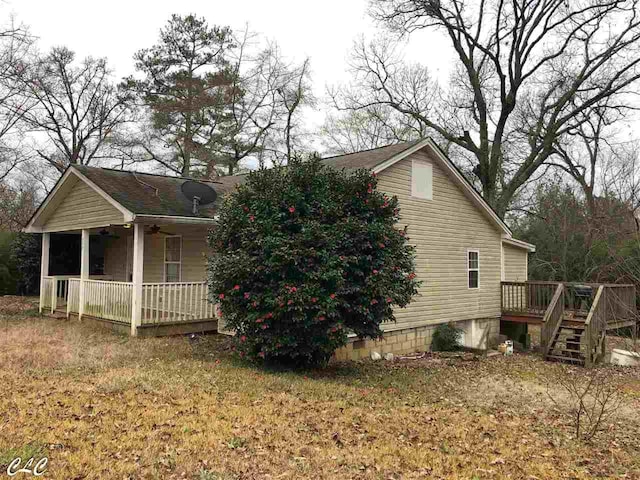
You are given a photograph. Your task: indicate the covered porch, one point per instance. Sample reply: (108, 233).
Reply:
(126, 295)
(141, 240)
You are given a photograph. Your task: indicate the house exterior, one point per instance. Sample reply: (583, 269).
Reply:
(464, 250)
(149, 276)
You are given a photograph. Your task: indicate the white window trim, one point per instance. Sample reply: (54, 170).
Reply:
(469, 269)
(164, 265)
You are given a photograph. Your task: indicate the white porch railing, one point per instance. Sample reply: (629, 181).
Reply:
(56, 289)
(175, 302)
(161, 302)
(110, 300)
(46, 295)
(73, 297)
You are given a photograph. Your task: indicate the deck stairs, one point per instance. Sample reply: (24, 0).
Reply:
(574, 329)
(568, 344)
(574, 318)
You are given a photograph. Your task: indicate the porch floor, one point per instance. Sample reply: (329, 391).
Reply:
(150, 329)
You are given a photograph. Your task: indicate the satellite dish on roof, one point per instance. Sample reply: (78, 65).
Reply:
(198, 193)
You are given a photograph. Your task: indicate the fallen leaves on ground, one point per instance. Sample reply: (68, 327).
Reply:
(103, 406)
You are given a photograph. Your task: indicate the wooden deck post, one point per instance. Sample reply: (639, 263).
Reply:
(138, 271)
(44, 265)
(84, 269)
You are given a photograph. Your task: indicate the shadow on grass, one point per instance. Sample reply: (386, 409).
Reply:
(377, 375)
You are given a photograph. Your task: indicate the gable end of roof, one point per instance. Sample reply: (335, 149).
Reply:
(412, 147)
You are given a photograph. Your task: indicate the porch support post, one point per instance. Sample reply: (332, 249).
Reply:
(44, 265)
(84, 269)
(138, 261)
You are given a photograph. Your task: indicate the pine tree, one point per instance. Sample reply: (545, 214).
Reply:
(186, 84)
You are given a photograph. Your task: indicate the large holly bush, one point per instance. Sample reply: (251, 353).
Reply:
(304, 255)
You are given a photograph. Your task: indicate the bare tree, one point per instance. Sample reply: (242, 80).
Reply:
(17, 204)
(267, 96)
(588, 152)
(591, 399)
(294, 92)
(373, 127)
(526, 73)
(76, 106)
(15, 45)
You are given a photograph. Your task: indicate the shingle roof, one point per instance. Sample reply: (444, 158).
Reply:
(148, 194)
(368, 158)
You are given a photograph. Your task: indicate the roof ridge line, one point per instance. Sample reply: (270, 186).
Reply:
(374, 148)
(136, 172)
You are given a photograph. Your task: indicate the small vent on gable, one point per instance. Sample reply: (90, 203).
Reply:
(422, 179)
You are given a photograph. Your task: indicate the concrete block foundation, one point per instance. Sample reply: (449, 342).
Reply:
(478, 334)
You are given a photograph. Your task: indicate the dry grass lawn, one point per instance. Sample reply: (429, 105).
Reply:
(100, 406)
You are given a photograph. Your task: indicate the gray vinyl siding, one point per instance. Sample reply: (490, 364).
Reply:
(443, 229)
(81, 208)
(515, 263)
(194, 251)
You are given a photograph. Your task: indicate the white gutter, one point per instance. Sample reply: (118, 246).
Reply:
(175, 219)
(519, 243)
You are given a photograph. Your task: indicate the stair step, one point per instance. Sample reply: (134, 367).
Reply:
(560, 358)
(566, 326)
(566, 352)
(569, 342)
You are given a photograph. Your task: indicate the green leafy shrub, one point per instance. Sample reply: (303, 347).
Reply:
(306, 254)
(8, 268)
(446, 338)
(26, 251)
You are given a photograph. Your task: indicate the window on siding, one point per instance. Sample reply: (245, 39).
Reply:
(473, 268)
(172, 259)
(421, 180)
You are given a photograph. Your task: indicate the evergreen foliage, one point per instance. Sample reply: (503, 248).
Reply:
(306, 254)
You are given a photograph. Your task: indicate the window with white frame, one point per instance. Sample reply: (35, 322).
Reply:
(172, 258)
(473, 268)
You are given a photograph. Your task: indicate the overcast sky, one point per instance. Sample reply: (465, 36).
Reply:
(323, 31)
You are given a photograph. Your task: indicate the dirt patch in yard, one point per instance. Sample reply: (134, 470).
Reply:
(104, 406)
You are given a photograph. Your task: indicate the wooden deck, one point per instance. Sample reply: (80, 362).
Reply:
(574, 317)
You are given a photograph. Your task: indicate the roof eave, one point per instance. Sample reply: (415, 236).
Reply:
(175, 219)
(519, 243)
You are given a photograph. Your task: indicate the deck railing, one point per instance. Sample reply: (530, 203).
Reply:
(620, 303)
(175, 302)
(552, 319)
(527, 297)
(533, 298)
(73, 296)
(596, 327)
